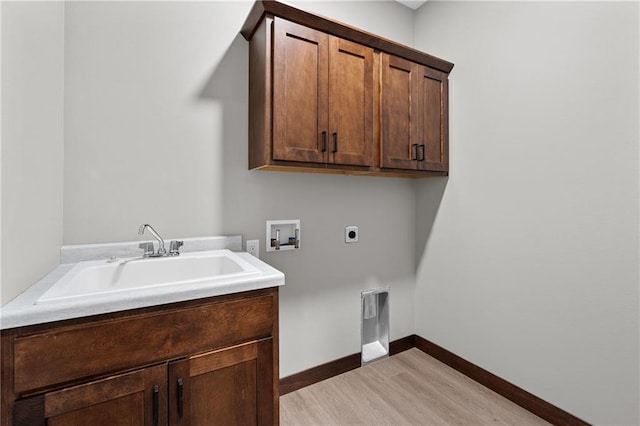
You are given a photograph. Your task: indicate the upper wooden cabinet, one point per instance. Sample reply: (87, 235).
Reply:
(324, 96)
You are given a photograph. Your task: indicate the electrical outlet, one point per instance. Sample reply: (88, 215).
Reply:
(253, 248)
(351, 234)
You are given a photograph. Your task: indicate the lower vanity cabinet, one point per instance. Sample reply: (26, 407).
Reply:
(206, 362)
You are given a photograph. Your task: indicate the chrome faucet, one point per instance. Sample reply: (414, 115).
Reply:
(148, 247)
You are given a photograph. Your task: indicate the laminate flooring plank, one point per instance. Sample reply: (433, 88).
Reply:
(410, 388)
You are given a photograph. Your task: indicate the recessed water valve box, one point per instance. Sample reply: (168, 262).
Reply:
(283, 235)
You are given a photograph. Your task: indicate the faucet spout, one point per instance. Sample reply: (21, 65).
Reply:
(161, 250)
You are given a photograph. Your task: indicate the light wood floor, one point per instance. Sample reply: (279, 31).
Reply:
(410, 388)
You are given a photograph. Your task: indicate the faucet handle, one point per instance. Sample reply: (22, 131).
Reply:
(147, 247)
(174, 247)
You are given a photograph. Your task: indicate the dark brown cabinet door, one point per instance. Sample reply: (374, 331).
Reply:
(223, 387)
(432, 137)
(399, 112)
(132, 399)
(300, 110)
(414, 116)
(322, 97)
(350, 103)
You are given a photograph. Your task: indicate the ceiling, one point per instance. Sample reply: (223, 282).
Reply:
(413, 4)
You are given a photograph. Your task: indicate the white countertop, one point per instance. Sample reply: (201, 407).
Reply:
(23, 311)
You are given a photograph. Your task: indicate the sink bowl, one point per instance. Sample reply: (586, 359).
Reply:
(101, 277)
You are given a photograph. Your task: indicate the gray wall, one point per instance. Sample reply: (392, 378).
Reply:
(155, 130)
(32, 142)
(530, 268)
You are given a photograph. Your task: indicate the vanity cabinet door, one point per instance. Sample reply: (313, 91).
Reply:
(232, 386)
(133, 399)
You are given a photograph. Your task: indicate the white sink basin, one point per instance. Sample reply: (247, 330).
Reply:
(100, 277)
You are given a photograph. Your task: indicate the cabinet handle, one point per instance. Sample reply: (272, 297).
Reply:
(335, 142)
(324, 141)
(421, 158)
(156, 402)
(415, 151)
(180, 398)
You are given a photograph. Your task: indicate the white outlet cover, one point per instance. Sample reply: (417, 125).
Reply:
(351, 234)
(253, 247)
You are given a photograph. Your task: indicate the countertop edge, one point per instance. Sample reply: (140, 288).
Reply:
(22, 310)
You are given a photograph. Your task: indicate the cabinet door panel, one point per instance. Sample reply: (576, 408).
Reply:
(222, 387)
(226, 396)
(126, 399)
(398, 112)
(433, 120)
(350, 102)
(299, 92)
(124, 411)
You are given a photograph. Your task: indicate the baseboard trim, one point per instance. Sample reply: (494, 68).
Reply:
(333, 368)
(317, 374)
(402, 345)
(515, 394)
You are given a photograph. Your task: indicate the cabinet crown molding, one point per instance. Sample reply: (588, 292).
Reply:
(262, 8)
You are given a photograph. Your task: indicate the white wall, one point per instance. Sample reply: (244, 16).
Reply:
(156, 108)
(529, 265)
(381, 17)
(32, 144)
